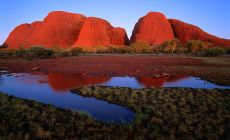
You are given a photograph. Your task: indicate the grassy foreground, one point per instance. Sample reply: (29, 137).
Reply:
(162, 113)
(25, 120)
(171, 113)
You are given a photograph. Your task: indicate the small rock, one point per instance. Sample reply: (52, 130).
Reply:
(165, 74)
(35, 69)
(157, 76)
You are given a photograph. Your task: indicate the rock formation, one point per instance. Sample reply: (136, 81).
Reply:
(74, 30)
(58, 28)
(65, 30)
(184, 32)
(153, 28)
(96, 31)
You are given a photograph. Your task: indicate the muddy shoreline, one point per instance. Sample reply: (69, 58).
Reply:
(216, 70)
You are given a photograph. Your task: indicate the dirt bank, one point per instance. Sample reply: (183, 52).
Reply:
(213, 69)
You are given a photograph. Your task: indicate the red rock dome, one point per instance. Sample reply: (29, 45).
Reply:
(18, 36)
(153, 28)
(58, 28)
(184, 32)
(65, 30)
(99, 32)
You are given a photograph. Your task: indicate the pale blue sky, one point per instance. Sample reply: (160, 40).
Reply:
(211, 15)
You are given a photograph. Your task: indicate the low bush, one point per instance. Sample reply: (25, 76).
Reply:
(4, 53)
(228, 50)
(114, 50)
(169, 46)
(195, 46)
(64, 53)
(38, 52)
(21, 52)
(172, 46)
(141, 47)
(215, 51)
(181, 49)
(56, 49)
(76, 51)
(101, 49)
(123, 50)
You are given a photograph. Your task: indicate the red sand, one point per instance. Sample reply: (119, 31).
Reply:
(212, 69)
(103, 65)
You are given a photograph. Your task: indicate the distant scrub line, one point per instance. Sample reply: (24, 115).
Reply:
(194, 47)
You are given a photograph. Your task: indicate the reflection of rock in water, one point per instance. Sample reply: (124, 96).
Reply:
(63, 81)
(159, 82)
(176, 78)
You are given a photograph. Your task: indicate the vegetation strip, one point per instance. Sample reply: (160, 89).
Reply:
(25, 119)
(162, 113)
(171, 113)
(192, 47)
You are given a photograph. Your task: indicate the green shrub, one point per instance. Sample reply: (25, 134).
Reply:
(140, 47)
(109, 50)
(38, 52)
(169, 46)
(172, 46)
(122, 50)
(195, 46)
(21, 52)
(228, 50)
(64, 53)
(101, 49)
(215, 51)
(181, 49)
(76, 51)
(114, 50)
(56, 49)
(4, 53)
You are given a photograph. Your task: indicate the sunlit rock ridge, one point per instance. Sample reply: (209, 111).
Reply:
(67, 30)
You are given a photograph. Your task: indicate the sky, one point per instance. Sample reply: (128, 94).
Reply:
(213, 16)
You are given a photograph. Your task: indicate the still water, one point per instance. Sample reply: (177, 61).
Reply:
(54, 88)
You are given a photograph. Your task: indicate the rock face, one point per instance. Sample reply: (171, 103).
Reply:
(18, 36)
(184, 32)
(153, 28)
(74, 30)
(99, 32)
(58, 28)
(65, 30)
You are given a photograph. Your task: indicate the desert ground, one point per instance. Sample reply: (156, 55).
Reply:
(214, 69)
(160, 113)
